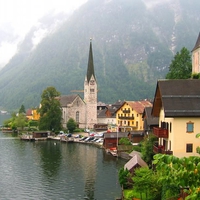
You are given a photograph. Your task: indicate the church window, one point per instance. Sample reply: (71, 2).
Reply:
(77, 103)
(92, 82)
(77, 116)
(91, 90)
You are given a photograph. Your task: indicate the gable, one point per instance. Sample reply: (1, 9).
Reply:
(68, 99)
(179, 98)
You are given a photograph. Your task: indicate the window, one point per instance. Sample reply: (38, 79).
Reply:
(190, 127)
(77, 116)
(164, 125)
(189, 148)
(91, 90)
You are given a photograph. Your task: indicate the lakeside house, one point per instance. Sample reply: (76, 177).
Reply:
(129, 115)
(177, 104)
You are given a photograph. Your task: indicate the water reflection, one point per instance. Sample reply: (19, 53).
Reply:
(44, 170)
(51, 157)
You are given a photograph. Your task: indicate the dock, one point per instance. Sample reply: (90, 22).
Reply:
(66, 139)
(112, 152)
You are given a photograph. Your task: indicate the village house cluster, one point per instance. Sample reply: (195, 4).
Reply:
(173, 116)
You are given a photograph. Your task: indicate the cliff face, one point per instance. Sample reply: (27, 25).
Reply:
(134, 42)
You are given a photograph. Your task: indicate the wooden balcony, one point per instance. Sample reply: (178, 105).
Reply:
(127, 118)
(157, 149)
(160, 132)
(126, 111)
(160, 149)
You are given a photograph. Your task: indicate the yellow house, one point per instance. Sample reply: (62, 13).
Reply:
(32, 114)
(36, 115)
(177, 104)
(129, 115)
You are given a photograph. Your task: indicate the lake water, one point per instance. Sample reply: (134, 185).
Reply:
(55, 170)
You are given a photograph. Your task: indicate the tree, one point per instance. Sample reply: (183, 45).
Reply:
(147, 148)
(181, 65)
(124, 141)
(22, 109)
(20, 121)
(179, 172)
(50, 110)
(145, 181)
(71, 125)
(125, 178)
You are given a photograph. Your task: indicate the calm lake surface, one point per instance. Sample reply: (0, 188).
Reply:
(55, 170)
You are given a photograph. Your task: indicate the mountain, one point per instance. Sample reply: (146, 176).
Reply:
(133, 42)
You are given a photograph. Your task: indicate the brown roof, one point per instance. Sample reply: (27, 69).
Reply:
(139, 106)
(180, 98)
(134, 162)
(115, 135)
(133, 153)
(101, 113)
(197, 45)
(29, 112)
(65, 100)
(149, 118)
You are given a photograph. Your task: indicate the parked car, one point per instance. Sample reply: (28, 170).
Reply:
(83, 138)
(77, 136)
(95, 139)
(87, 130)
(99, 140)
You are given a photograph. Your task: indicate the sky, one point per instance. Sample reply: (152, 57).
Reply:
(18, 16)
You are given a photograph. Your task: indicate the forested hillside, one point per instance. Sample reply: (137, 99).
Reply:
(133, 42)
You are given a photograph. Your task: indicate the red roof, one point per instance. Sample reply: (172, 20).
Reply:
(29, 112)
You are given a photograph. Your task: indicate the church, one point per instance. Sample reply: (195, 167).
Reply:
(83, 111)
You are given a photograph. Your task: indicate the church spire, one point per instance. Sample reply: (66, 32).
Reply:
(90, 69)
(197, 45)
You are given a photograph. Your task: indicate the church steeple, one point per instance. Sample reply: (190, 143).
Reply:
(90, 69)
(197, 45)
(90, 93)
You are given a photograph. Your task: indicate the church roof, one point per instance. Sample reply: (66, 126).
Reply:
(197, 45)
(68, 99)
(90, 69)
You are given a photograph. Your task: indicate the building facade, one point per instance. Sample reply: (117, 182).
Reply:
(83, 111)
(90, 93)
(129, 115)
(176, 103)
(196, 57)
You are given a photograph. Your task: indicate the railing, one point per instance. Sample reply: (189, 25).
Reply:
(130, 118)
(126, 111)
(160, 149)
(157, 149)
(160, 132)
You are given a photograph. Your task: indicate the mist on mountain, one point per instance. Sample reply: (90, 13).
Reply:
(133, 42)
